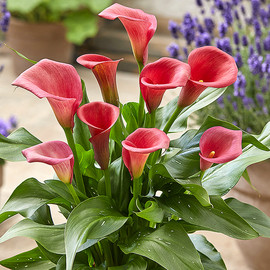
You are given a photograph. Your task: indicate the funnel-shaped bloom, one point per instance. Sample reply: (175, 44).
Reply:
(140, 27)
(100, 117)
(210, 67)
(104, 70)
(219, 145)
(55, 153)
(138, 145)
(59, 83)
(156, 78)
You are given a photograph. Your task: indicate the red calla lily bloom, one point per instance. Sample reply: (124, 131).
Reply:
(139, 25)
(210, 67)
(100, 117)
(104, 70)
(219, 145)
(59, 83)
(55, 153)
(156, 78)
(138, 145)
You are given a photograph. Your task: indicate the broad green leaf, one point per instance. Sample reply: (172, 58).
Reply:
(39, 232)
(23, 6)
(80, 25)
(186, 163)
(210, 257)
(259, 221)
(33, 259)
(186, 141)
(152, 212)
(168, 245)
(163, 114)
(219, 218)
(194, 186)
(220, 179)
(134, 263)
(61, 265)
(81, 131)
(43, 215)
(26, 199)
(130, 114)
(92, 219)
(12, 146)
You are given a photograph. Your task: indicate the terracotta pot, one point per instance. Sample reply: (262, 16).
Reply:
(37, 41)
(256, 251)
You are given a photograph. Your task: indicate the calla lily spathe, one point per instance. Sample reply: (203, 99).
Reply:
(157, 77)
(59, 83)
(100, 117)
(139, 25)
(219, 145)
(55, 153)
(210, 67)
(138, 145)
(104, 70)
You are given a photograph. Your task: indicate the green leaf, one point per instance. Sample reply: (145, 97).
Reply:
(152, 212)
(26, 199)
(92, 219)
(12, 146)
(164, 114)
(220, 179)
(219, 218)
(43, 215)
(33, 259)
(259, 221)
(81, 131)
(39, 232)
(194, 186)
(210, 257)
(80, 25)
(97, 6)
(23, 6)
(130, 114)
(168, 245)
(134, 263)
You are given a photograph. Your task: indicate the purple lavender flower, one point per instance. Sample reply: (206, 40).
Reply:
(255, 63)
(244, 41)
(266, 43)
(248, 102)
(240, 85)
(260, 99)
(257, 28)
(243, 10)
(258, 45)
(199, 3)
(200, 28)
(228, 17)
(4, 20)
(235, 2)
(236, 15)
(266, 64)
(224, 45)
(220, 102)
(219, 4)
(251, 50)
(264, 17)
(13, 122)
(173, 50)
(255, 6)
(7, 126)
(265, 110)
(185, 50)
(3, 128)
(188, 28)
(238, 60)
(174, 29)
(203, 39)
(234, 104)
(236, 38)
(209, 25)
(222, 28)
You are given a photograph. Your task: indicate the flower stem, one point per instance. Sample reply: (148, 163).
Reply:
(153, 118)
(137, 187)
(108, 182)
(172, 119)
(73, 193)
(201, 175)
(77, 172)
(141, 100)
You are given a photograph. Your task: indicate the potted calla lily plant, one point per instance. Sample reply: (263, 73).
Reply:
(132, 197)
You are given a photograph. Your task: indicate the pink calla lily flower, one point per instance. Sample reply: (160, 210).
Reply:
(210, 67)
(219, 145)
(55, 153)
(104, 70)
(138, 145)
(156, 78)
(100, 117)
(59, 83)
(139, 25)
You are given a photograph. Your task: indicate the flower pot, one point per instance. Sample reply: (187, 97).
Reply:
(256, 251)
(37, 41)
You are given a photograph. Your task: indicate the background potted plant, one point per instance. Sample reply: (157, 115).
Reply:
(42, 28)
(242, 30)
